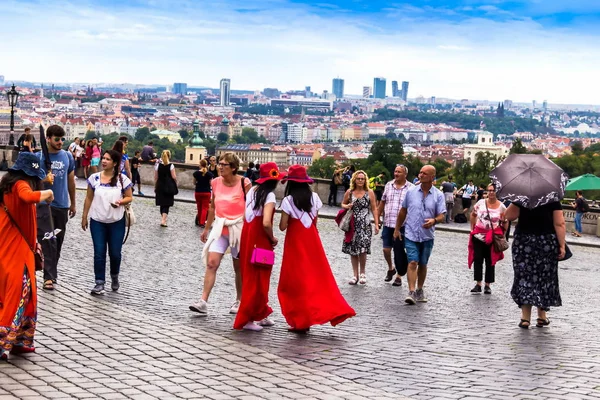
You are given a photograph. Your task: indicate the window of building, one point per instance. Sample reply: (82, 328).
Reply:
(191, 157)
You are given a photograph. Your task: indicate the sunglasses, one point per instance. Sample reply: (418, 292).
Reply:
(59, 139)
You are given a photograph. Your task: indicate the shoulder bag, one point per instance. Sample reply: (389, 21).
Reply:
(262, 257)
(498, 241)
(38, 254)
(130, 218)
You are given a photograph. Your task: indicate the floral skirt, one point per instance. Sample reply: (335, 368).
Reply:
(535, 262)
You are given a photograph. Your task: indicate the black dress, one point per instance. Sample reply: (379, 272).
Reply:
(535, 258)
(165, 186)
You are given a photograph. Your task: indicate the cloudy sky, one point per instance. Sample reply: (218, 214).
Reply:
(518, 49)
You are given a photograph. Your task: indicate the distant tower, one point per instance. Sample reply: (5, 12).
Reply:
(404, 90)
(307, 92)
(225, 92)
(180, 88)
(366, 92)
(395, 92)
(545, 105)
(379, 84)
(432, 101)
(338, 88)
(534, 104)
(1, 80)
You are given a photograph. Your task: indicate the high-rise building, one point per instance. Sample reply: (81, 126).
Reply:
(307, 92)
(404, 90)
(180, 88)
(432, 100)
(395, 91)
(225, 92)
(338, 88)
(379, 88)
(366, 92)
(545, 105)
(1, 80)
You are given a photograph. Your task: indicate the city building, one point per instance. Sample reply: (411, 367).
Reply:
(338, 88)
(379, 88)
(272, 93)
(485, 143)
(405, 91)
(1, 80)
(225, 92)
(295, 133)
(508, 104)
(395, 91)
(307, 92)
(366, 92)
(534, 104)
(301, 101)
(432, 100)
(195, 151)
(545, 105)
(180, 88)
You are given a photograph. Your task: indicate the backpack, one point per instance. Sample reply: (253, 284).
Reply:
(372, 183)
(585, 205)
(460, 218)
(346, 178)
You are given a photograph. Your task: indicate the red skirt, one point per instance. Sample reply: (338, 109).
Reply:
(308, 292)
(255, 279)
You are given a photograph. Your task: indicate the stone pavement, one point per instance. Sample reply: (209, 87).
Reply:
(142, 342)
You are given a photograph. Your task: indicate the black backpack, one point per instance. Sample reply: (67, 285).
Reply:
(585, 205)
(3, 163)
(460, 218)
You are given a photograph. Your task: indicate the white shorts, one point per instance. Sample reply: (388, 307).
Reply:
(220, 246)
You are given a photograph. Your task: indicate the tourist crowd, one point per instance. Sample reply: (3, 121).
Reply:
(236, 213)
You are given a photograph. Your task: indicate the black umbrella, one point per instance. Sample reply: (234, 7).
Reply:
(530, 180)
(48, 163)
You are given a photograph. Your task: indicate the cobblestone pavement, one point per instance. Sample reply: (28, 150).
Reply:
(143, 341)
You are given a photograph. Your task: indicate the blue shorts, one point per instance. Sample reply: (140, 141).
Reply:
(418, 251)
(95, 162)
(387, 236)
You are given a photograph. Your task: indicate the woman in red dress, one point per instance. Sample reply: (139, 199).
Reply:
(18, 296)
(257, 233)
(308, 292)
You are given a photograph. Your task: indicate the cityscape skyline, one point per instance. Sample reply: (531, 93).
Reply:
(519, 50)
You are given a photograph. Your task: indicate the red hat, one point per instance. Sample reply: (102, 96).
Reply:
(297, 173)
(269, 171)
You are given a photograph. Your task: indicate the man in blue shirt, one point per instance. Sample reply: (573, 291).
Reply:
(423, 207)
(62, 182)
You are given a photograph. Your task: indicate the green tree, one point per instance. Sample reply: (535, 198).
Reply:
(141, 135)
(577, 148)
(184, 134)
(222, 137)
(89, 135)
(250, 134)
(322, 168)
(518, 147)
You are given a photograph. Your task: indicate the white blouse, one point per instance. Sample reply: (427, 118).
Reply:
(288, 206)
(251, 213)
(104, 195)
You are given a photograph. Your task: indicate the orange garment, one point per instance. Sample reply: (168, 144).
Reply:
(229, 200)
(18, 295)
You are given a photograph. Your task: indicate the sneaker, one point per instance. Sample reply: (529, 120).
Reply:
(235, 307)
(199, 307)
(410, 299)
(487, 290)
(266, 322)
(390, 274)
(98, 289)
(420, 296)
(476, 289)
(140, 194)
(252, 326)
(114, 285)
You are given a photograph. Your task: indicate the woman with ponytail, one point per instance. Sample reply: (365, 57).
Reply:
(165, 185)
(202, 179)
(107, 193)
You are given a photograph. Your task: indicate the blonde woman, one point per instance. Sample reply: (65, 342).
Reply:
(165, 185)
(360, 199)
(226, 218)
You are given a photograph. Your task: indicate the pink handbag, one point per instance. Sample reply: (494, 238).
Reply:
(262, 257)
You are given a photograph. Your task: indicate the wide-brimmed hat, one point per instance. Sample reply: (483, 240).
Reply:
(29, 164)
(269, 171)
(297, 173)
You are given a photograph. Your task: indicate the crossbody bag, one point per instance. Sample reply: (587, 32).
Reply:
(38, 254)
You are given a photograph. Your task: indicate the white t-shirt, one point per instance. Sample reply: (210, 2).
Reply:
(468, 191)
(483, 219)
(160, 162)
(251, 213)
(288, 206)
(104, 194)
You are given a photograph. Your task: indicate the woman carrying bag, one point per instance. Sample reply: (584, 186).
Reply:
(257, 237)
(107, 193)
(165, 185)
(486, 221)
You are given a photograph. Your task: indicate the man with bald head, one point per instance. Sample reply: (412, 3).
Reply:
(423, 207)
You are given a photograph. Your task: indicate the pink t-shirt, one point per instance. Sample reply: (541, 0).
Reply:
(483, 219)
(96, 153)
(229, 201)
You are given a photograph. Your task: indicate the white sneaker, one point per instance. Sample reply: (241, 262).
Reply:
(252, 326)
(266, 322)
(199, 307)
(235, 307)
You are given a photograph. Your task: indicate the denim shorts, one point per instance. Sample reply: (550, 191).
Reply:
(418, 251)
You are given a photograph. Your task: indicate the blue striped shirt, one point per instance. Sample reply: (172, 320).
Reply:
(418, 209)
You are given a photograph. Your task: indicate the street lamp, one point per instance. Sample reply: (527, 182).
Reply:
(12, 96)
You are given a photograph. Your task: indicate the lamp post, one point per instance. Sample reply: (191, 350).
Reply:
(12, 96)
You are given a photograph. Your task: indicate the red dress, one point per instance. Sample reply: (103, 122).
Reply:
(255, 279)
(308, 292)
(18, 295)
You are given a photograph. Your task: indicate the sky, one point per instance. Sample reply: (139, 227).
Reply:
(521, 50)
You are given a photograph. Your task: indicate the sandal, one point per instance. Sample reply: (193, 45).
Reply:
(48, 285)
(353, 281)
(363, 279)
(541, 322)
(523, 322)
(397, 281)
(22, 350)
